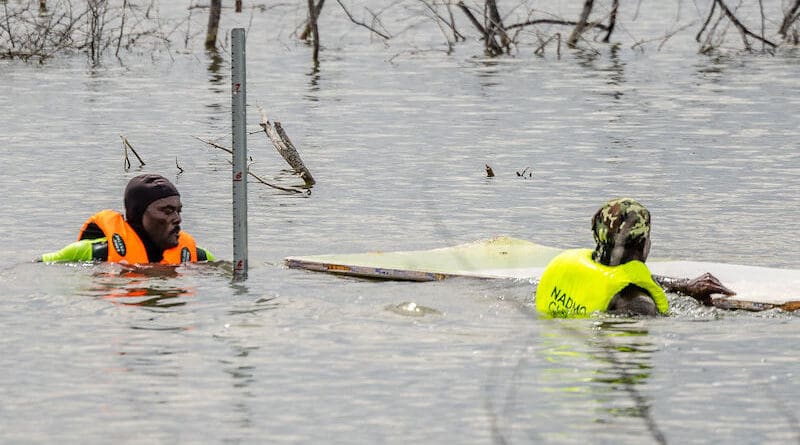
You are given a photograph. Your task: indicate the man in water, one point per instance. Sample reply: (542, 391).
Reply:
(613, 278)
(150, 232)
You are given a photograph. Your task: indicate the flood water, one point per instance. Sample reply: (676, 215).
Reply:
(397, 136)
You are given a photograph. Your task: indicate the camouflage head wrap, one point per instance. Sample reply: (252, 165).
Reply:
(618, 225)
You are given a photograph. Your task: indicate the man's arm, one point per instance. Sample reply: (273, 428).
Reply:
(633, 300)
(205, 255)
(700, 288)
(83, 250)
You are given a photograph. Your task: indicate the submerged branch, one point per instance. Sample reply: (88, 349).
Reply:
(214, 144)
(268, 184)
(256, 177)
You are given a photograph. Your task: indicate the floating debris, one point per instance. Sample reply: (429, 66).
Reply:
(412, 309)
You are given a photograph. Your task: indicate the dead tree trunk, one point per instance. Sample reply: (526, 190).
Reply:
(790, 17)
(572, 41)
(494, 24)
(612, 20)
(312, 22)
(307, 30)
(213, 23)
(97, 21)
(490, 43)
(287, 150)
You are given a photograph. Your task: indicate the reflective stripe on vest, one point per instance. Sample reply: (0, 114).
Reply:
(573, 285)
(124, 244)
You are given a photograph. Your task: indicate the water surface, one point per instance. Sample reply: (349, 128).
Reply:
(397, 139)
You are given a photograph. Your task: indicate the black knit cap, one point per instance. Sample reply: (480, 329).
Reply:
(142, 191)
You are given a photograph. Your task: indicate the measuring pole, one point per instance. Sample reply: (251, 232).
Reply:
(239, 136)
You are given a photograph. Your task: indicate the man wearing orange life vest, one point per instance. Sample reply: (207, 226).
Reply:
(150, 232)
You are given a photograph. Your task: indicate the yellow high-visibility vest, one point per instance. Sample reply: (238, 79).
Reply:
(573, 285)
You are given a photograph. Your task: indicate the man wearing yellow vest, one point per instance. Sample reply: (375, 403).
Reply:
(613, 277)
(150, 232)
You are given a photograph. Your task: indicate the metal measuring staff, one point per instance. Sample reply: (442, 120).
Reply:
(239, 136)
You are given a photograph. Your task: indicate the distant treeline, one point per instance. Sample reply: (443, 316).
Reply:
(40, 29)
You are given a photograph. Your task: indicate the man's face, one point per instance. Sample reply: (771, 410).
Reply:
(162, 221)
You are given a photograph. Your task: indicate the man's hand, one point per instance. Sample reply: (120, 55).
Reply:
(702, 287)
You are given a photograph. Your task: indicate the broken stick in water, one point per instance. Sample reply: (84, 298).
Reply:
(281, 141)
(127, 145)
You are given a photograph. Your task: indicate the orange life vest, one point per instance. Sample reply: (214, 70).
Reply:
(124, 244)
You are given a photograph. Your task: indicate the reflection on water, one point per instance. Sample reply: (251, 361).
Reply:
(313, 84)
(399, 149)
(261, 304)
(625, 350)
(138, 285)
(615, 356)
(215, 63)
(576, 375)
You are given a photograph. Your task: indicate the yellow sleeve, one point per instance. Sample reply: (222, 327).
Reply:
(209, 256)
(77, 251)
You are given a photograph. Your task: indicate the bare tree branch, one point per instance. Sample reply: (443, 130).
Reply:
(708, 20)
(451, 23)
(742, 29)
(127, 145)
(599, 26)
(352, 19)
(664, 38)
(214, 144)
(790, 17)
